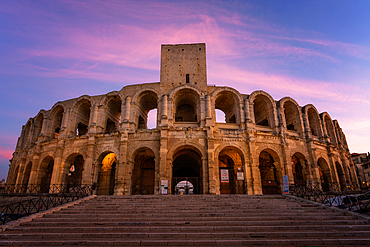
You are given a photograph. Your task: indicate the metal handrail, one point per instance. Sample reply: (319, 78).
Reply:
(331, 194)
(58, 195)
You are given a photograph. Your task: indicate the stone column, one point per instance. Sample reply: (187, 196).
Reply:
(88, 165)
(121, 187)
(164, 106)
(162, 159)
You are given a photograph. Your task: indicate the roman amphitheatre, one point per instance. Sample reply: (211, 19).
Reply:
(104, 140)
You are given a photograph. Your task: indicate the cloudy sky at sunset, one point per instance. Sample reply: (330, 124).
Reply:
(317, 52)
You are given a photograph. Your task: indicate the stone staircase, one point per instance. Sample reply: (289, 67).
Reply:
(197, 220)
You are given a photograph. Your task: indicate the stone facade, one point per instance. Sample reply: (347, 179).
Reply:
(104, 139)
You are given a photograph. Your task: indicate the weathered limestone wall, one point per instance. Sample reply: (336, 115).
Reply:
(182, 145)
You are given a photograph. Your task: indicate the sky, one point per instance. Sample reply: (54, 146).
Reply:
(317, 52)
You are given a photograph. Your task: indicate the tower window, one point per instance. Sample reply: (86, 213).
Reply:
(182, 49)
(200, 48)
(187, 78)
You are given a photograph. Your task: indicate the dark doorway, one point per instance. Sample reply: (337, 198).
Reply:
(187, 167)
(270, 185)
(107, 174)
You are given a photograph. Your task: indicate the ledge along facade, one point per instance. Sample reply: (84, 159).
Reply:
(104, 139)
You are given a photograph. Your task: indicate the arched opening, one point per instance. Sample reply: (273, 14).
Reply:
(341, 175)
(292, 119)
(26, 177)
(75, 166)
(83, 117)
(107, 174)
(13, 179)
(324, 172)
(220, 116)
(227, 103)
(313, 121)
(186, 166)
(298, 163)
(57, 122)
(143, 175)
(330, 129)
(147, 102)
(184, 188)
(269, 174)
(186, 106)
(26, 133)
(113, 114)
(231, 171)
(45, 173)
(152, 119)
(263, 111)
(37, 128)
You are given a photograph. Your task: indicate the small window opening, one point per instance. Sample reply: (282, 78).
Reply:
(232, 119)
(168, 49)
(290, 127)
(200, 48)
(182, 49)
(111, 127)
(81, 129)
(142, 124)
(56, 132)
(264, 122)
(187, 78)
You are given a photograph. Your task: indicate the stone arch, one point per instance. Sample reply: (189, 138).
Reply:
(324, 172)
(26, 133)
(145, 101)
(113, 112)
(81, 113)
(143, 172)
(187, 165)
(26, 176)
(299, 169)
(329, 127)
(186, 104)
(195, 145)
(270, 171)
(56, 120)
(341, 175)
(109, 149)
(228, 101)
(264, 109)
(313, 120)
(231, 161)
(292, 114)
(132, 152)
(74, 166)
(106, 172)
(14, 176)
(45, 172)
(39, 120)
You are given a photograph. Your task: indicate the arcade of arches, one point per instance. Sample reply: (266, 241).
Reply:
(110, 142)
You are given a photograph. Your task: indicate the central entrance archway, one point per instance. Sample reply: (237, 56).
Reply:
(187, 166)
(106, 174)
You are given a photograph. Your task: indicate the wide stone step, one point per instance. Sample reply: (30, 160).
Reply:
(228, 242)
(182, 235)
(134, 222)
(185, 228)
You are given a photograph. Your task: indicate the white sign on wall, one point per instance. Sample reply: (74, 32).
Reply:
(240, 175)
(224, 176)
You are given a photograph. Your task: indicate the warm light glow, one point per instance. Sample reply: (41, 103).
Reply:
(108, 161)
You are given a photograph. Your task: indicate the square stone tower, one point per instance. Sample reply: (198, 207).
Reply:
(183, 64)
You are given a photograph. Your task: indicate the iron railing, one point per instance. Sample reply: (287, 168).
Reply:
(49, 189)
(333, 194)
(56, 196)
